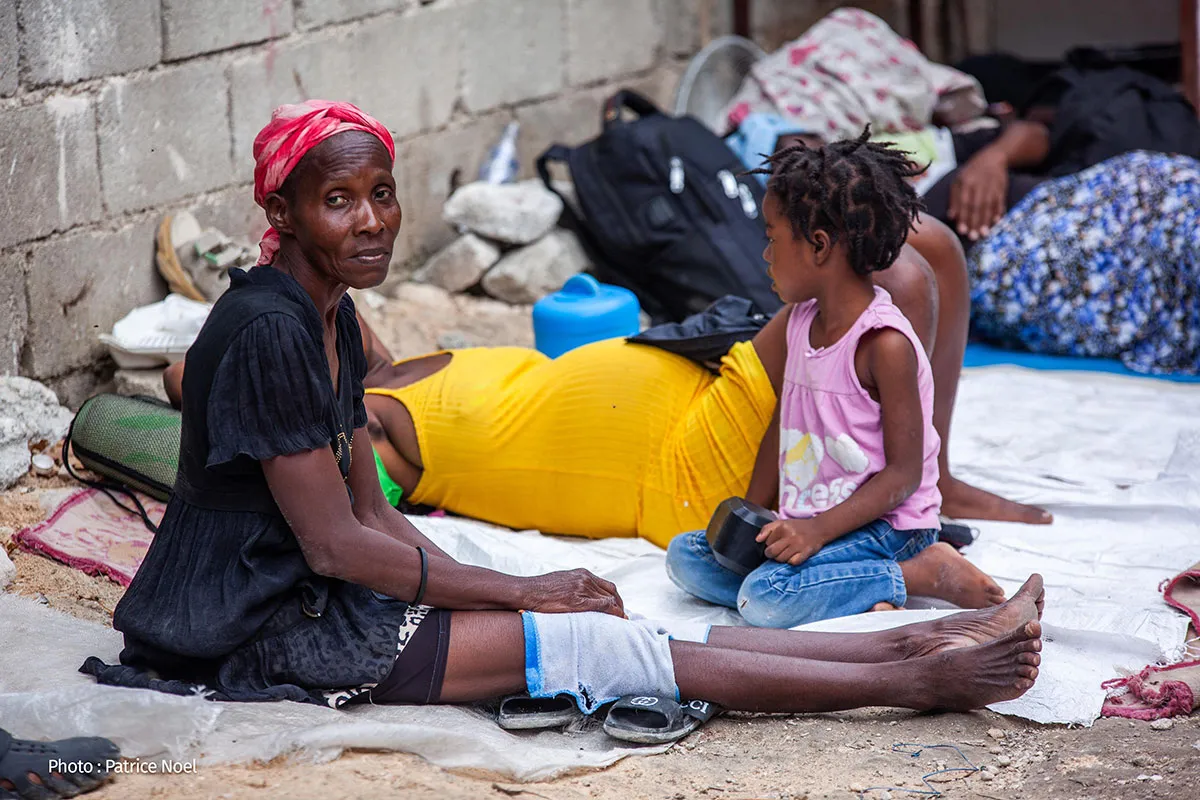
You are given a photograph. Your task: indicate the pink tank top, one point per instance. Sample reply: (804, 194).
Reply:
(831, 431)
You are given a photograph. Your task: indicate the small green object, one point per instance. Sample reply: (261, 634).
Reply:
(391, 490)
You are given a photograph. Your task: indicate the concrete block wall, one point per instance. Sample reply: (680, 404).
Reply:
(114, 113)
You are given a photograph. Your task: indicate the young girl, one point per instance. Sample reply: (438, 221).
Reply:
(852, 440)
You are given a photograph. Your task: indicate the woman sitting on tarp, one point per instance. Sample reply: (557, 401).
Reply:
(279, 570)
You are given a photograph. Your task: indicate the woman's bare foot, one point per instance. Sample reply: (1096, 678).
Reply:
(971, 628)
(973, 677)
(884, 607)
(941, 571)
(963, 501)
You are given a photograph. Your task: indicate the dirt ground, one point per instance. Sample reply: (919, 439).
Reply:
(734, 757)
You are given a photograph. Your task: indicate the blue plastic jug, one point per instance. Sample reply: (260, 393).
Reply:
(583, 311)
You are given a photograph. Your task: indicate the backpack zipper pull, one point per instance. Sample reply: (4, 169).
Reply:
(676, 176)
(749, 207)
(728, 183)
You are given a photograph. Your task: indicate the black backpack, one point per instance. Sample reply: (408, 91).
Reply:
(1106, 112)
(666, 211)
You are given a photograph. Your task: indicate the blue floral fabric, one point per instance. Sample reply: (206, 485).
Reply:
(1104, 263)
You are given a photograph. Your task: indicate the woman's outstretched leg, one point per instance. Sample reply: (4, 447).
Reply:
(965, 660)
(958, 679)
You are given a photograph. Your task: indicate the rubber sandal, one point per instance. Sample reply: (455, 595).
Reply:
(195, 261)
(20, 757)
(956, 534)
(655, 720)
(1183, 592)
(520, 712)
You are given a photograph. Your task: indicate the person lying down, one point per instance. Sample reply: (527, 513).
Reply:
(280, 571)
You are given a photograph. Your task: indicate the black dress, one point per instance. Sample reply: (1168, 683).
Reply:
(224, 597)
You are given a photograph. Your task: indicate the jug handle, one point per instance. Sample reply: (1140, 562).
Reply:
(582, 284)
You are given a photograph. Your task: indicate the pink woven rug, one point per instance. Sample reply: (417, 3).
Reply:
(90, 532)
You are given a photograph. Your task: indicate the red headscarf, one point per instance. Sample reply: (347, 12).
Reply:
(292, 132)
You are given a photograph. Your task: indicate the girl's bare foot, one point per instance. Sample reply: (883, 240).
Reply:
(940, 571)
(973, 677)
(971, 628)
(963, 501)
(884, 607)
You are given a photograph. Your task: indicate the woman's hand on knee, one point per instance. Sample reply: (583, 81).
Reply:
(573, 591)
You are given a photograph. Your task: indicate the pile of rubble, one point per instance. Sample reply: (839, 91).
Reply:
(32, 423)
(509, 247)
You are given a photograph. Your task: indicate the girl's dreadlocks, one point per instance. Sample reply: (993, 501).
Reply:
(854, 188)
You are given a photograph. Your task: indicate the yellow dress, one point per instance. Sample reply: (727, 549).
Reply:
(609, 439)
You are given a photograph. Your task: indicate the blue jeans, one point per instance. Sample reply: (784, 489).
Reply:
(847, 576)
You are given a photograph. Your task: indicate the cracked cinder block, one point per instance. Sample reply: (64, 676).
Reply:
(9, 47)
(314, 13)
(516, 52)
(610, 38)
(192, 27)
(65, 41)
(13, 314)
(403, 70)
(80, 284)
(164, 136)
(48, 175)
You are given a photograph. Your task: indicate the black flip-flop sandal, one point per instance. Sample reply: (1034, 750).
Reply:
(655, 720)
(957, 534)
(520, 712)
(90, 760)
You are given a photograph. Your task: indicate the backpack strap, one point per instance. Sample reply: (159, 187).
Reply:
(106, 486)
(558, 153)
(626, 99)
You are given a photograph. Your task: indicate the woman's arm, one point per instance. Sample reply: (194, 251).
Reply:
(308, 489)
(371, 508)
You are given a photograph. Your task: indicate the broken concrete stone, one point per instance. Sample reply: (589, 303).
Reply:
(531, 273)
(517, 213)
(1162, 724)
(459, 265)
(146, 382)
(454, 340)
(14, 461)
(8, 570)
(422, 318)
(29, 412)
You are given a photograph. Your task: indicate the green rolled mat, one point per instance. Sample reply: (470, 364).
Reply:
(133, 441)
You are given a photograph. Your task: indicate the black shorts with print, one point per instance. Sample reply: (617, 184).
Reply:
(420, 666)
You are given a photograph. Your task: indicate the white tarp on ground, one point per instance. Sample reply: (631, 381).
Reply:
(1100, 451)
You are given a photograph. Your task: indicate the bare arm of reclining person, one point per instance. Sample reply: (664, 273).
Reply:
(377, 354)
(308, 489)
(978, 196)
